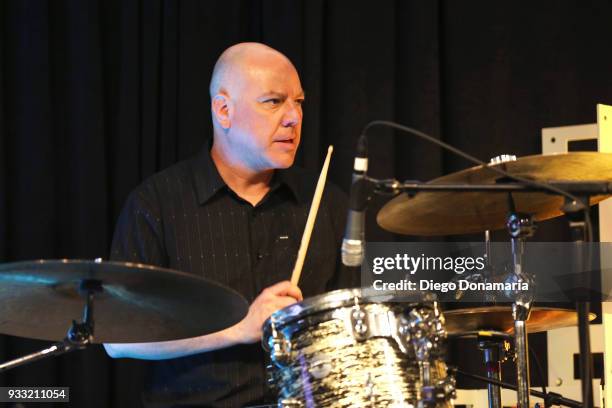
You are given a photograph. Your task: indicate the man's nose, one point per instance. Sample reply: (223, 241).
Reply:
(293, 115)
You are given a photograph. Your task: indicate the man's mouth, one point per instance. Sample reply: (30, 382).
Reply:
(287, 141)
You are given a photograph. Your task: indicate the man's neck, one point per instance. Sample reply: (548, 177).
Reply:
(249, 185)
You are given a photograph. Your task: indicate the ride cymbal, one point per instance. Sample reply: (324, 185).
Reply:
(448, 213)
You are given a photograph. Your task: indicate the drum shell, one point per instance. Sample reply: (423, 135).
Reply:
(345, 349)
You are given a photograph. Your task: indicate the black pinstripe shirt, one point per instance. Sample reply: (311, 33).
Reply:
(186, 218)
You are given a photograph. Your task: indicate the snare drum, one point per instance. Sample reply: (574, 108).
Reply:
(352, 349)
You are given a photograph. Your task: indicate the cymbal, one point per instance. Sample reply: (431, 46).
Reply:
(137, 302)
(448, 213)
(499, 318)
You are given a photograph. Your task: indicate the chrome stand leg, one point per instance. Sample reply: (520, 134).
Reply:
(521, 315)
(520, 227)
(492, 359)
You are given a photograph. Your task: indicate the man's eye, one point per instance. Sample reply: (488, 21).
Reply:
(273, 101)
(299, 102)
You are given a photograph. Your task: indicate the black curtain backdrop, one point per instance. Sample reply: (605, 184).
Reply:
(98, 95)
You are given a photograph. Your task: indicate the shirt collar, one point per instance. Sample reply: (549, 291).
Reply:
(290, 179)
(208, 181)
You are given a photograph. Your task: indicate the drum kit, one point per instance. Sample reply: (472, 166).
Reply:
(346, 348)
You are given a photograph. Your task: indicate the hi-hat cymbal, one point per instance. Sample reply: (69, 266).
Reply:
(137, 303)
(499, 318)
(448, 213)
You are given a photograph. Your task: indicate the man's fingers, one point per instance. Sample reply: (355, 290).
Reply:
(284, 301)
(279, 303)
(294, 292)
(285, 288)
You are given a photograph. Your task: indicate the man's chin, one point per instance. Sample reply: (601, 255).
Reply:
(283, 162)
(283, 165)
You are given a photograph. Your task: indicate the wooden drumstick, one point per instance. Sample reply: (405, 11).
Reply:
(312, 215)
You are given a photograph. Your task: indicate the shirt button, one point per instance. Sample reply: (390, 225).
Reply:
(260, 256)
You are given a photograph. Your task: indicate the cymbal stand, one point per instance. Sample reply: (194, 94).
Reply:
(484, 276)
(488, 271)
(79, 336)
(492, 347)
(520, 227)
(574, 211)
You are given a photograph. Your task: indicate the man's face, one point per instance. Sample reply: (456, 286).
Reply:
(267, 115)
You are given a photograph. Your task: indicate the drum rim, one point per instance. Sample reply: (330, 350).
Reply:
(327, 301)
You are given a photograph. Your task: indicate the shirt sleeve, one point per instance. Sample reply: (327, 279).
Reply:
(138, 235)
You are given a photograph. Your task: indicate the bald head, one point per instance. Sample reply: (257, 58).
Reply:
(256, 107)
(233, 62)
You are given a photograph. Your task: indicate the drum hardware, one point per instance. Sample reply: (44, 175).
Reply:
(79, 336)
(370, 394)
(497, 349)
(133, 303)
(520, 227)
(502, 158)
(488, 271)
(359, 322)
(577, 214)
(484, 276)
(482, 212)
(426, 333)
(290, 403)
(550, 398)
(494, 349)
(441, 391)
(280, 348)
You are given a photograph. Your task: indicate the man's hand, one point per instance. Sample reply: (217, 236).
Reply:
(270, 300)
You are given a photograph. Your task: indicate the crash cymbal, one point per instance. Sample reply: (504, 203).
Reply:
(499, 318)
(448, 213)
(137, 303)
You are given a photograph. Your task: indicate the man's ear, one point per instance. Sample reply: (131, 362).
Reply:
(221, 110)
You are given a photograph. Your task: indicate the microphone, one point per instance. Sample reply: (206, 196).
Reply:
(353, 242)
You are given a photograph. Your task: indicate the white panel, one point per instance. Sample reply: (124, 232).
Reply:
(604, 122)
(554, 140)
(478, 398)
(562, 344)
